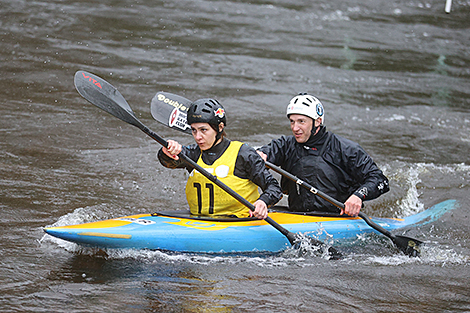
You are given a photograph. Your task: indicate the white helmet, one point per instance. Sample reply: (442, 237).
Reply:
(307, 105)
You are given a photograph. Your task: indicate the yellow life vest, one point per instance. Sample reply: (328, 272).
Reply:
(206, 198)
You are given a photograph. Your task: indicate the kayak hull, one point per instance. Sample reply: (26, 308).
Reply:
(182, 233)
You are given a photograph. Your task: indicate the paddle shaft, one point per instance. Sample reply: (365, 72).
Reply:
(326, 197)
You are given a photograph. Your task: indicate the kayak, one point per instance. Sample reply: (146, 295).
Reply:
(180, 232)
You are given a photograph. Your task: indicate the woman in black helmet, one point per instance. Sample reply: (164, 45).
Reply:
(232, 162)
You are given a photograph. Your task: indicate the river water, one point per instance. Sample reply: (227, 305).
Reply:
(393, 75)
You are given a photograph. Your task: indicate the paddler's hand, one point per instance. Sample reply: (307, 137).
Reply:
(173, 149)
(263, 155)
(261, 210)
(352, 206)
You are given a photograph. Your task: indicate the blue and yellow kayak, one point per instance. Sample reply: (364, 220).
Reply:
(180, 232)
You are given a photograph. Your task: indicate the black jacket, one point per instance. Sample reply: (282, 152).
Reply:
(249, 165)
(337, 166)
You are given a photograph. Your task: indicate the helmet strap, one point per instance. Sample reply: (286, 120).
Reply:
(219, 134)
(314, 130)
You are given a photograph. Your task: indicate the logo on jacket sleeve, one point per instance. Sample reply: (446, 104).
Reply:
(363, 192)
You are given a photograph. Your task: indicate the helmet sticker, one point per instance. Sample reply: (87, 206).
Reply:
(320, 110)
(220, 112)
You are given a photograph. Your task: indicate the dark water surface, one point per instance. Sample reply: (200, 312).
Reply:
(393, 76)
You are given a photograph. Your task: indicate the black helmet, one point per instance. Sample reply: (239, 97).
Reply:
(206, 111)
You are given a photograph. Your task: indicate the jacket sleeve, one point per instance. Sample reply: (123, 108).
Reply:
(373, 182)
(250, 165)
(276, 150)
(191, 151)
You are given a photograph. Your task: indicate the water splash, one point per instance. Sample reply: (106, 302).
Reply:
(416, 179)
(85, 215)
(430, 254)
(410, 204)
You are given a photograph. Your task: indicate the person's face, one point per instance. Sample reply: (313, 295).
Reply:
(204, 135)
(301, 126)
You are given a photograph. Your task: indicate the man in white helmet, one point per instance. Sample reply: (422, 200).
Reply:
(335, 165)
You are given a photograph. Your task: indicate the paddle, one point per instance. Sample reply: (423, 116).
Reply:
(106, 97)
(407, 245)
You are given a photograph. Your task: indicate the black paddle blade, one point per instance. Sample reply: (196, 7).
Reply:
(105, 96)
(407, 245)
(170, 110)
(296, 241)
(332, 252)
